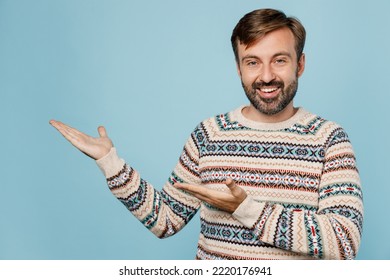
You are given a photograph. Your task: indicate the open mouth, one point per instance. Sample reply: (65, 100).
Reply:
(268, 92)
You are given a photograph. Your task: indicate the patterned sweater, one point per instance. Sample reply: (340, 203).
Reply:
(304, 196)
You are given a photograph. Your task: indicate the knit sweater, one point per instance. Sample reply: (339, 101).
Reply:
(304, 199)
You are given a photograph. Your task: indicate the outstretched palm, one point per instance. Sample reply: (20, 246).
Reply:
(95, 148)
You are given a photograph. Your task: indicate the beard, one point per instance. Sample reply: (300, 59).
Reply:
(271, 106)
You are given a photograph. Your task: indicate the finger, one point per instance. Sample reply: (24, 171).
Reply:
(235, 190)
(231, 184)
(69, 133)
(62, 128)
(216, 200)
(199, 195)
(203, 193)
(187, 187)
(67, 129)
(102, 131)
(194, 190)
(54, 123)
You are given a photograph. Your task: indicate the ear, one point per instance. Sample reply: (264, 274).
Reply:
(301, 64)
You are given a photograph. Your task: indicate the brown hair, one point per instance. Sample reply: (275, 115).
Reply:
(256, 24)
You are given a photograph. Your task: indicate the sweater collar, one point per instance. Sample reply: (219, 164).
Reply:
(237, 115)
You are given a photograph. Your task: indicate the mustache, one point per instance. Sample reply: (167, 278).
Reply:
(257, 85)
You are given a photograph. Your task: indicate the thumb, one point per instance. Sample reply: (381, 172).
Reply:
(102, 131)
(236, 190)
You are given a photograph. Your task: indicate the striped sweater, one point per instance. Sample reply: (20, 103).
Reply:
(304, 196)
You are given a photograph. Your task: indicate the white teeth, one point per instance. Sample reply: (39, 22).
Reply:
(267, 90)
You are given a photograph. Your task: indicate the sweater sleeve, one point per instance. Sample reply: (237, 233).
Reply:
(163, 212)
(334, 230)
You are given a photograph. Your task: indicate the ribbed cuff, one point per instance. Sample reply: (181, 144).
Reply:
(248, 211)
(110, 164)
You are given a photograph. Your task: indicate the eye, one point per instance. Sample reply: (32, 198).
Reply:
(280, 61)
(251, 63)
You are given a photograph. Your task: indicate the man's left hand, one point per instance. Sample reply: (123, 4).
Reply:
(226, 201)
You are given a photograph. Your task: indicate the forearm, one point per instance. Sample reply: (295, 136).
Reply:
(324, 235)
(163, 212)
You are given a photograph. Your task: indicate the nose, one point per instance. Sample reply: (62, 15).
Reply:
(267, 75)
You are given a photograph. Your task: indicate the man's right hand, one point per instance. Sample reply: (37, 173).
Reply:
(95, 148)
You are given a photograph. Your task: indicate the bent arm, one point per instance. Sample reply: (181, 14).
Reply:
(163, 212)
(334, 230)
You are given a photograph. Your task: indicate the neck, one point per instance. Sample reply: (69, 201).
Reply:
(251, 113)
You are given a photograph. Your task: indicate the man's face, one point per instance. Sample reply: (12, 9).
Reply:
(269, 71)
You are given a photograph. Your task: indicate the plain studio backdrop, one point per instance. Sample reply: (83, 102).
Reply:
(150, 71)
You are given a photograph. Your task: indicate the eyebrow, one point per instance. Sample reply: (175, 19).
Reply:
(249, 56)
(283, 54)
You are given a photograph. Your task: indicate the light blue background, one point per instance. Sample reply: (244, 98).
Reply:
(150, 71)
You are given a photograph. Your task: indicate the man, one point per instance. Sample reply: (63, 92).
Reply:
(272, 181)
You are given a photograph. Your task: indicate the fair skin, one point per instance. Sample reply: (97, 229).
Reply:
(98, 147)
(273, 57)
(95, 148)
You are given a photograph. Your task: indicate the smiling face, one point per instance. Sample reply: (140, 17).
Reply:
(269, 71)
